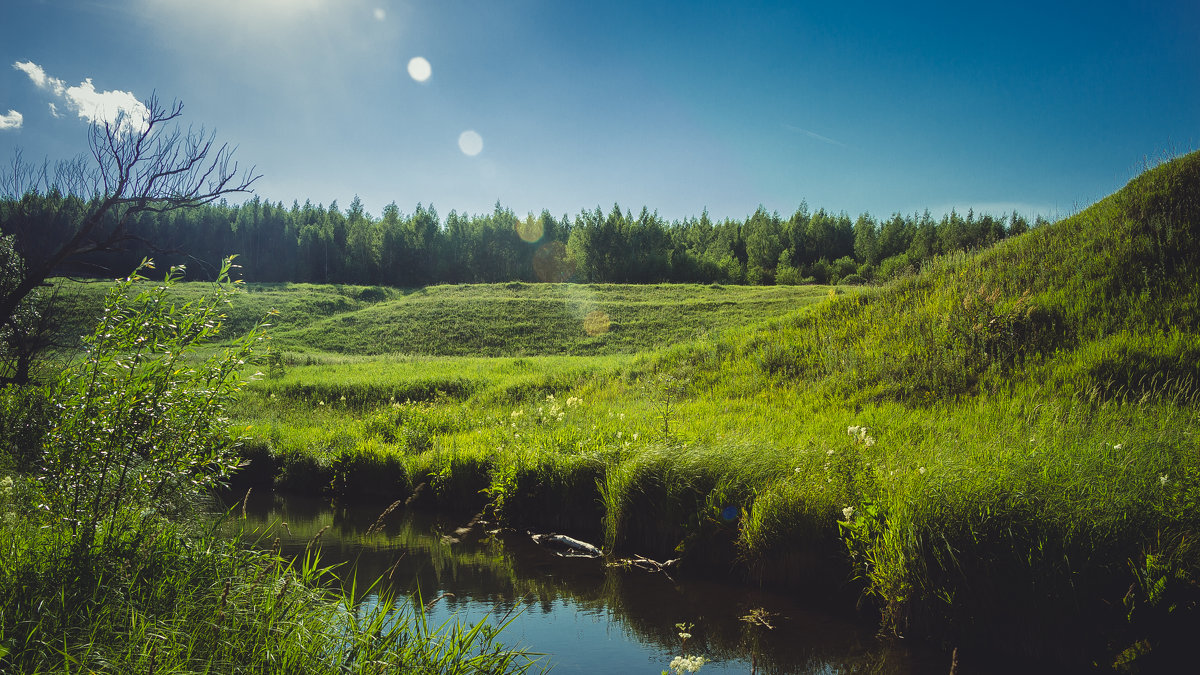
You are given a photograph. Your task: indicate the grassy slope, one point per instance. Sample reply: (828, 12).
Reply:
(1027, 475)
(535, 319)
(514, 319)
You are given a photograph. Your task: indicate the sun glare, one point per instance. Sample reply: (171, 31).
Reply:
(596, 323)
(470, 143)
(419, 69)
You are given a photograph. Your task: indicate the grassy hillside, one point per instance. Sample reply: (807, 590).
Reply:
(998, 453)
(514, 319)
(1105, 303)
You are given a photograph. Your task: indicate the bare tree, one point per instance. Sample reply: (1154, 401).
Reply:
(143, 162)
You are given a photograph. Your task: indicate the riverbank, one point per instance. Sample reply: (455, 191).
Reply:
(107, 564)
(997, 454)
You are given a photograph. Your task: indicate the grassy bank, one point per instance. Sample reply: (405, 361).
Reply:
(106, 564)
(997, 453)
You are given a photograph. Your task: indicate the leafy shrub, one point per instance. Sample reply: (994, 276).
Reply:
(140, 419)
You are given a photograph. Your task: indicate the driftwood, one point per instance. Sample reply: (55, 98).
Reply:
(567, 547)
(641, 562)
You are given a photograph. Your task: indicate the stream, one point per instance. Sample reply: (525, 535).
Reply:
(585, 616)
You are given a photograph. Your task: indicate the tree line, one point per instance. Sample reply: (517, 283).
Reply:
(319, 244)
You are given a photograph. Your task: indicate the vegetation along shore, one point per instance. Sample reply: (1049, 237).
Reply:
(997, 452)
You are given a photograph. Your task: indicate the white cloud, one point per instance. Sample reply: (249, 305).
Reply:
(54, 111)
(12, 120)
(380, 14)
(107, 106)
(97, 107)
(39, 77)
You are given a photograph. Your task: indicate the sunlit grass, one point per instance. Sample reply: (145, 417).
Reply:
(1031, 476)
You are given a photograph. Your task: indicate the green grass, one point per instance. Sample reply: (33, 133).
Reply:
(482, 320)
(167, 601)
(1031, 481)
(107, 566)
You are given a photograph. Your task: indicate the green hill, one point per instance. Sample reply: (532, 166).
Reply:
(998, 453)
(513, 319)
(518, 319)
(1106, 302)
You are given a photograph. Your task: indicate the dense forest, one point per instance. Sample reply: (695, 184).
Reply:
(307, 243)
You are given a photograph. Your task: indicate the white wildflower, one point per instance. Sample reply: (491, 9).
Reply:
(686, 664)
(829, 452)
(1163, 480)
(1117, 446)
(921, 470)
(868, 441)
(852, 431)
(848, 513)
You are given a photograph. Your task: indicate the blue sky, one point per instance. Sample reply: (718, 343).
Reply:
(856, 106)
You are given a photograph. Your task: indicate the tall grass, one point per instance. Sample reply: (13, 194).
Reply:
(999, 450)
(162, 600)
(95, 573)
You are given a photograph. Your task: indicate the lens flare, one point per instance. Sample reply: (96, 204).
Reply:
(596, 323)
(530, 230)
(470, 143)
(551, 264)
(419, 69)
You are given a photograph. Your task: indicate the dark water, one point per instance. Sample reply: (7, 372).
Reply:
(586, 617)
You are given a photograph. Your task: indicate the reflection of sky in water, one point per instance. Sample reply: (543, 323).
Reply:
(586, 617)
(578, 638)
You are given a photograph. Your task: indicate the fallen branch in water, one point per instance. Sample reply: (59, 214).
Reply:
(568, 547)
(641, 562)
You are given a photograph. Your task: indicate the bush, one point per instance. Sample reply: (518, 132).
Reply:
(141, 420)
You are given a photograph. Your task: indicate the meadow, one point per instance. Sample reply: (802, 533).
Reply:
(997, 454)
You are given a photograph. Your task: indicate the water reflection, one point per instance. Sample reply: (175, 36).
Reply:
(586, 616)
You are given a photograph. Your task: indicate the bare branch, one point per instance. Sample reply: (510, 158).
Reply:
(140, 162)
